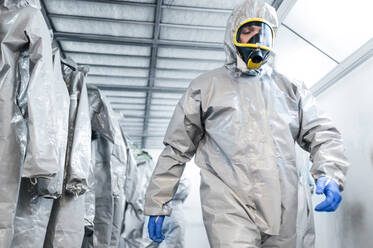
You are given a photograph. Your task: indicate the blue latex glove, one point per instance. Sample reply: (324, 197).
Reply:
(155, 228)
(330, 188)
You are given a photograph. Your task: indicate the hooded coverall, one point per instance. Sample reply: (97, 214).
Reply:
(242, 128)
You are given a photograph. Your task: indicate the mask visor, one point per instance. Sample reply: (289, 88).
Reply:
(254, 34)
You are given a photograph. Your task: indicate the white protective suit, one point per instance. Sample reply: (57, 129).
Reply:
(105, 199)
(135, 234)
(33, 112)
(35, 201)
(242, 128)
(66, 223)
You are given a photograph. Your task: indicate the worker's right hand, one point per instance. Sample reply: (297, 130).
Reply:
(327, 186)
(155, 228)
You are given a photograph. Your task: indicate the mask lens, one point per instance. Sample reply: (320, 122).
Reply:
(255, 32)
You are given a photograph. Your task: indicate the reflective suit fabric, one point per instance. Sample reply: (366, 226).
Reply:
(26, 135)
(102, 143)
(130, 192)
(119, 166)
(305, 219)
(35, 201)
(53, 188)
(242, 128)
(109, 171)
(90, 199)
(32, 217)
(135, 234)
(66, 225)
(134, 219)
(26, 29)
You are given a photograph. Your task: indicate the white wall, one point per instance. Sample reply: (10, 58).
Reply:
(350, 104)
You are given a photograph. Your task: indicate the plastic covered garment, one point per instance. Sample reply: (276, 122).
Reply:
(32, 217)
(21, 3)
(134, 227)
(242, 128)
(305, 219)
(79, 139)
(109, 169)
(119, 166)
(35, 200)
(29, 122)
(135, 234)
(66, 224)
(90, 202)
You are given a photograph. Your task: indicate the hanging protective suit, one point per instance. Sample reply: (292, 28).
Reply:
(36, 200)
(109, 169)
(89, 196)
(119, 166)
(135, 233)
(30, 131)
(130, 190)
(139, 173)
(66, 224)
(241, 125)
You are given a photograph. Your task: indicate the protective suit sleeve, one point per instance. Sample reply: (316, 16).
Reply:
(182, 190)
(182, 137)
(320, 137)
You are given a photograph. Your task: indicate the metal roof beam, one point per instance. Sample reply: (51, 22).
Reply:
(152, 68)
(109, 39)
(139, 88)
(137, 104)
(137, 97)
(277, 3)
(199, 9)
(310, 43)
(107, 54)
(114, 20)
(97, 38)
(115, 66)
(364, 53)
(146, 57)
(121, 97)
(120, 108)
(142, 117)
(147, 136)
(121, 2)
(101, 19)
(138, 77)
(168, 6)
(283, 8)
(142, 68)
(116, 76)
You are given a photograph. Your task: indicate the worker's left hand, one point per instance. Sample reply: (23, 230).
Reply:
(327, 186)
(155, 228)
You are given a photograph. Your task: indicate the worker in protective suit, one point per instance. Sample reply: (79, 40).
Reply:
(241, 121)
